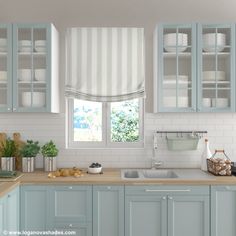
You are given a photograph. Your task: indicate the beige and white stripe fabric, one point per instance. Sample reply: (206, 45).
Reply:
(105, 64)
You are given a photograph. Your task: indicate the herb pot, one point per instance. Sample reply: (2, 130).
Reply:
(50, 164)
(8, 163)
(28, 164)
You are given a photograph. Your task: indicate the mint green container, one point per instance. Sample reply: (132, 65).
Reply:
(182, 143)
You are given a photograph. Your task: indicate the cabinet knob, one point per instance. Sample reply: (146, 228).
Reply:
(8, 195)
(70, 187)
(170, 198)
(164, 198)
(14, 109)
(8, 108)
(109, 187)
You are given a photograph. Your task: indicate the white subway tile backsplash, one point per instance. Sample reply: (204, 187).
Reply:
(43, 127)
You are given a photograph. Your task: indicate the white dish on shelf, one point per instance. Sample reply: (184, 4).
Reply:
(24, 74)
(171, 102)
(3, 75)
(213, 42)
(206, 102)
(3, 42)
(25, 45)
(40, 74)
(220, 102)
(173, 43)
(38, 99)
(174, 78)
(40, 45)
(213, 75)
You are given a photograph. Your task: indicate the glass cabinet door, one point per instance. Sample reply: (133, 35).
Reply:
(177, 72)
(216, 56)
(31, 72)
(5, 68)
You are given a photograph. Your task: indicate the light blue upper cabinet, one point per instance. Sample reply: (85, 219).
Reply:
(35, 68)
(216, 63)
(108, 210)
(5, 67)
(175, 68)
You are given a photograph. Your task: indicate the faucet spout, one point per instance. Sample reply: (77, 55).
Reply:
(155, 164)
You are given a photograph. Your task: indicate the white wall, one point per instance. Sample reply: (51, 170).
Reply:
(140, 13)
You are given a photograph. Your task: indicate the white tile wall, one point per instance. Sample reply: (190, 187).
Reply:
(43, 127)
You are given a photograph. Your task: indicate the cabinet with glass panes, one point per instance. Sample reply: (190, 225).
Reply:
(194, 68)
(32, 72)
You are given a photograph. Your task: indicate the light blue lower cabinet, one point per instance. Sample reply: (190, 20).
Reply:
(77, 229)
(12, 209)
(108, 210)
(167, 211)
(223, 210)
(2, 214)
(34, 208)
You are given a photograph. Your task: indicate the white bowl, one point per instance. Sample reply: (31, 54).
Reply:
(3, 42)
(171, 102)
(220, 102)
(170, 41)
(37, 97)
(213, 75)
(95, 170)
(206, 102)
(40, 43)
(3, 75)
(213, 42)
(40, 74)
(24, 74)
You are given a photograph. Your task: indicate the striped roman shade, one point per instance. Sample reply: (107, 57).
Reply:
(105, 64)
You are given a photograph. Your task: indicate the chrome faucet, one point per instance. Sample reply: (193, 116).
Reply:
(155, 164)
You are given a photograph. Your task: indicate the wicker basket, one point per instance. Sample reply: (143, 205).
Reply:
(219, 166)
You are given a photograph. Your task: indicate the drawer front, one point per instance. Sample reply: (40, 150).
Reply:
(71, 203)
(167, 190)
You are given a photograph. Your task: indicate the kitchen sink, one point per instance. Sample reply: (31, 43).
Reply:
(131, 174)
(159, 174)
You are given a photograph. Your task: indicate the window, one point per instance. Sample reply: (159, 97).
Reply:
(97, 124)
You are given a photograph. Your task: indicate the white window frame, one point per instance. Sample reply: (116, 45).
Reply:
(106, 130)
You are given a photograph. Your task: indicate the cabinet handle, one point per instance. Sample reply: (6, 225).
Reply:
(70, 187)
(167, 190)
(8, 195)
(109, 187)
(70, 225)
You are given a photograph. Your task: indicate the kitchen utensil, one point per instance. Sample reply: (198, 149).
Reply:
(173, 43)
(213, 75)
(214, 42)
(220, 102)
(38, 99)
(40, 74)
(24, 74)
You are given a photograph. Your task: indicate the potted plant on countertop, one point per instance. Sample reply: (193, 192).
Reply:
(8, 151)
(49, 152)
(28, 152)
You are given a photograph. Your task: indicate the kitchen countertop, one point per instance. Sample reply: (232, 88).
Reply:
(113, 176)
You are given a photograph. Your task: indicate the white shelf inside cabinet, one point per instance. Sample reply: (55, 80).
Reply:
(39, 54)
(3, 54)
(215, 82)
(33, 82)
(219, 54)
(174, 55)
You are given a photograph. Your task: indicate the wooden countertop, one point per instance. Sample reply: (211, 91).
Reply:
(110, 177)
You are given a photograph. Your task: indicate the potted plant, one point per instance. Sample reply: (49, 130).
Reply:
(8, 151)
(28, 152)
(49, 152)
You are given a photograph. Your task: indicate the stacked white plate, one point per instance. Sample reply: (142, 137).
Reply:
(171, 102)
(213, 75)
(171, 78)
(172, 40)
(24, 75)
(3, 44)
(25, 45)
(220, 102)
(213, 42)
(38, 99)
(40, 74)
(40, 45)
(206, 102)
(3, 75)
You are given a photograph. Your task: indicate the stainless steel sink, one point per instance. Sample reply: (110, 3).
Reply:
(159, 174)
(131, 174)
(147, 174)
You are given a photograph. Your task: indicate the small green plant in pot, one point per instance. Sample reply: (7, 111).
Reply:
(49, 152)
(8, 151)
(28, 152)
